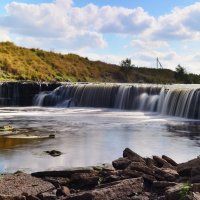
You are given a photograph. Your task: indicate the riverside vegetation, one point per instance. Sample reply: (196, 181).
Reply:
(18, 63)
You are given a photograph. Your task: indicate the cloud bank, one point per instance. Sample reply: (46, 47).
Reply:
(64, 27)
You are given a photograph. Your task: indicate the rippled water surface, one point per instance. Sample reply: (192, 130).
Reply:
(88, 136)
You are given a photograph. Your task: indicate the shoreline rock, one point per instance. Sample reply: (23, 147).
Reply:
(132, 177)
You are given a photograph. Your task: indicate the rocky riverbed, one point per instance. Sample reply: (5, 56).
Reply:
(130, 177)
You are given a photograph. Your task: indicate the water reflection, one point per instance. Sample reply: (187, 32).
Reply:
(91, 136)
(190, 130)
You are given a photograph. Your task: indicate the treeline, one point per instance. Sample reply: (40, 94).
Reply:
(18, 63)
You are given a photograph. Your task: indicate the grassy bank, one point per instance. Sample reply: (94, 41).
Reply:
(18, 63)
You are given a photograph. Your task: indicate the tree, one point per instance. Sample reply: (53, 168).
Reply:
(126, 63)
(182, 75)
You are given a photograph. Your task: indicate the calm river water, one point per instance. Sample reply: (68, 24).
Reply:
(88, 136)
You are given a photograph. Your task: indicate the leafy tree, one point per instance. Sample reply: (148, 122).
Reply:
(182, 75)
(126, 63)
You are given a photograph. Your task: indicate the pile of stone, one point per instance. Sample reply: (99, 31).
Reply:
(131, 177)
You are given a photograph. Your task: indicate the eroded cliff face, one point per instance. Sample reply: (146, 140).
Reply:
(22, 93)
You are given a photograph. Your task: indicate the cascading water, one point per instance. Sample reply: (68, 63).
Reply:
(166, 100)
(130, 97)
(181, 103)
(21, 93)
(175, 100)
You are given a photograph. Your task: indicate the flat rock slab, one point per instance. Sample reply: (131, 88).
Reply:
(120, 190)
(13, 185)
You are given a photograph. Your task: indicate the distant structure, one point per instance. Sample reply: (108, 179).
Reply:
(158, 63)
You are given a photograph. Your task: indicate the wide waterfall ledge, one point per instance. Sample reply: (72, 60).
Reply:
(173, 100)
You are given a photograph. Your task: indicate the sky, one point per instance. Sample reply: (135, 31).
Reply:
(106, 30)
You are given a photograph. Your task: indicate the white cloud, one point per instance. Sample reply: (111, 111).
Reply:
(61, 21)
(63, 27)
(49, 24)
(180, 24)
(148, 44)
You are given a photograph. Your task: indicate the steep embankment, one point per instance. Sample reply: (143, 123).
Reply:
(19, 63)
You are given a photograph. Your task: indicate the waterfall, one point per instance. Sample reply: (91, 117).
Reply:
(166, 100)
(22, 93)
(174, 100)
(129, 97)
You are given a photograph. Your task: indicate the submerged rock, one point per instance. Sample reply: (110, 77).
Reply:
(54, 153)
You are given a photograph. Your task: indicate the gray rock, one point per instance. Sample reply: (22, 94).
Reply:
(169, 160)
(17, 184)
(84, 180)
(53, 153)
(128, 153)
(174, 193)
(121, 163)
(63, 191)
(167, 174)
(162, 163)
(141, 167)
(184, 169)
(120, 190)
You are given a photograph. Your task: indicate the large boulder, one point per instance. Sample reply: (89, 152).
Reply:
(134, 157)
(169, 160)
(167, 173)
(162, 162)
(184, 169)
(121, 163)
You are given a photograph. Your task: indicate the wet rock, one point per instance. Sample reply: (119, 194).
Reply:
(31, 197)
(162, 163)
(167, 174)
(184, 169)
(140, 167)
(169, 160)
(121, 190)
(52, 136)
(134, 157)
(111, 178)
(136, 174)
(63, 173)
(53, 153)
(84, 180)
(63, 191)
(195, 196)
(17, 184)
(174, 192)
(140, 197)
(195, 179)
(121, 163)
(51, 195)
(163, 184)
(5, 197)
(195, 175)
(151, 163)
(160, 186)
(196, 187)
(58, 181)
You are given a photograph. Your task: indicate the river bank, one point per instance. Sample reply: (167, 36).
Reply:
(129, 177)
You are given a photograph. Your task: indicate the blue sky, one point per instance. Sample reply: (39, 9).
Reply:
(108, 30)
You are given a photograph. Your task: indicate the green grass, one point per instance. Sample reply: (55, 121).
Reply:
(18, 63)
